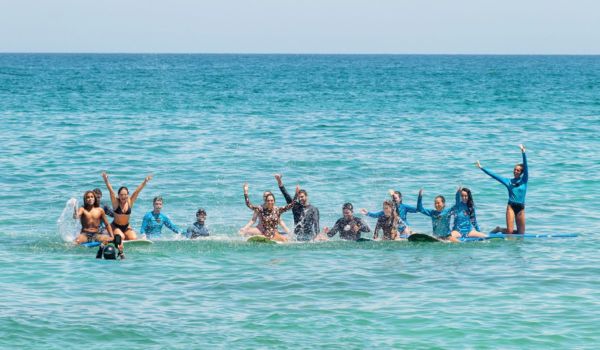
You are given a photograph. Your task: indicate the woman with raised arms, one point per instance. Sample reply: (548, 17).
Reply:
(269, 217)
(517, 188)
(122, 207)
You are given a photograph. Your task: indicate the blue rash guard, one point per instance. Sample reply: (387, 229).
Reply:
(402, 210)
(197, 230)
(152, 224)
(440, 220)
(517, 187)
(463, 222)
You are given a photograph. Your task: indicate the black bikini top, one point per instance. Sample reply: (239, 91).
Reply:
(120, 211)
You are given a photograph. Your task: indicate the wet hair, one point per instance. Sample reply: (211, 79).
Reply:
(348, 206)
(441, 197)
(200, 211)
(96, 202)
(303, 191)
(97, 191)
(123, 188)
(267, 194)
(470, 203)
(157, 199)
(399, 195)
(393, 219)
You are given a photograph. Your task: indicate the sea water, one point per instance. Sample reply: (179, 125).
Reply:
(346, 128)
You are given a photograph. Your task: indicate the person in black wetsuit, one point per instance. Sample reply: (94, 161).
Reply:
(349, 226)
(306, 216)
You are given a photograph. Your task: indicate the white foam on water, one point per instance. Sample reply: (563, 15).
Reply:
(67, 226)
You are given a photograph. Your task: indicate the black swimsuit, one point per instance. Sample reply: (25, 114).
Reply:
(125, 227)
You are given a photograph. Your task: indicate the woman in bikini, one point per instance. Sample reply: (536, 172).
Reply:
(122, 207)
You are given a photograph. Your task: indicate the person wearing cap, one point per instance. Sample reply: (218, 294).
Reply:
(349, 226)
(154, 221)
(198, 229)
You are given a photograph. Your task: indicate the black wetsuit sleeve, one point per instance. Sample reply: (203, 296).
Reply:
(362, 226)
(108, 211)
(335, 229)
(316, 221)
(285, 193)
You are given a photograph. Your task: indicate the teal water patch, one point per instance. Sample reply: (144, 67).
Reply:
(346, 128)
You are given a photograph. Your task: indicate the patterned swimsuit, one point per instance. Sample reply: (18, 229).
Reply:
(269, 219)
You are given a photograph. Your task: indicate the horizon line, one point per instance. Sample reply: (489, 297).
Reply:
(286, 53)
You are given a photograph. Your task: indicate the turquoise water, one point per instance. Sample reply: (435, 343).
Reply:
(347, 128)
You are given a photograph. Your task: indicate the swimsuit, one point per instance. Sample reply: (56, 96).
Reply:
(465, 219)
(388, 226)
(516, 207)
(125, 227)
(268, 218)
(517, 187)
(344, 227)
(402, 210)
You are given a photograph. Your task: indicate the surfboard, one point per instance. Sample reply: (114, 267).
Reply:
(421, 237)
(137, 242)
(260, 239)
(362, 239)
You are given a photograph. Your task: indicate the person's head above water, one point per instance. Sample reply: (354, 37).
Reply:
(439, 203)
(90, 200)
(98, 193)
(518, 170)
(157, 203)
(348, 210)
(269, 199)
(466, 197)
(302, 197)
(123, 194)
(201, 215)
(388, 208)
(396, 196)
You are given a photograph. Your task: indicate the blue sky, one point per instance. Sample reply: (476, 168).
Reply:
(326, 26)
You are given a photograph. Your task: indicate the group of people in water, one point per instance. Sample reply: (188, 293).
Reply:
(448, 223)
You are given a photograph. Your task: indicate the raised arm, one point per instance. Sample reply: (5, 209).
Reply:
(525, 175)
(493, 175)
(247, 199)
(139, 189)
(457, 196)
(113, 197)
(284, 192)
(420, 207)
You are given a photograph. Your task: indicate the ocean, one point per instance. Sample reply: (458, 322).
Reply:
(346, 128)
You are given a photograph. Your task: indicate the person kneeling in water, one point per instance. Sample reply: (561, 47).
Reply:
(91, 215)
(349, 226)
(154, 220)
(198, 229)
(388, 223)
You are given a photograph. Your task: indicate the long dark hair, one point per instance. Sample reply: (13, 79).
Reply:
(392, 221)
(96, 202)
(470, 203)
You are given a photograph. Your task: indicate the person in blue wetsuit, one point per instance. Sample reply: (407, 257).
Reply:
(465, 219)
(517, 188)
(154, 221)
(401, 208)
(198, 229)
(440, 216)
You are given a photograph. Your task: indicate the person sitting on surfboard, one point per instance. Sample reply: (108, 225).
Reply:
(91, 215)
(348, 226)
(306, 216)
(268, 214)
(388, 223)
(440, 216)
(517, 188)
(198, 229)
(107, 209)
(465, 219)
(154, 220)
(401, 208)
(122, 208)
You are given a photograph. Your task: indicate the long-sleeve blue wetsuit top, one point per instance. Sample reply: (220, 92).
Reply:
(464, 222)
(402, 210)
(440, 220)
(152, 224)
(517, 187)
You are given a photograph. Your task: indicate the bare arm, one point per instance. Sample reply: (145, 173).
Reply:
(106, 224)
(113, 197)
(139, 189)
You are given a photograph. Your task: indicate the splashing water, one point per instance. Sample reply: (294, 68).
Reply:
(67, 226)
